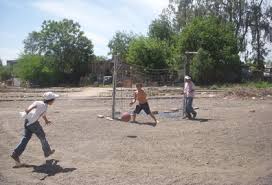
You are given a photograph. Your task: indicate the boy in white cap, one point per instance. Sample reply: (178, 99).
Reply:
(32, 126)
(189, 91)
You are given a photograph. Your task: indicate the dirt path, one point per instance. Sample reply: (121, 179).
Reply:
(230, 144)
(91, 92)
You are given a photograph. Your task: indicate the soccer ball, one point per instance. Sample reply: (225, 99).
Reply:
(125, 117)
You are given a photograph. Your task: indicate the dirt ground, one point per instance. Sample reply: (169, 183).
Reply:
(229, 144)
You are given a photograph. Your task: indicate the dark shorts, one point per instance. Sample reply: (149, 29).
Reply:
(141, 107)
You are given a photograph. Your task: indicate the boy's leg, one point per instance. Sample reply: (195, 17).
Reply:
(136, 111)
(148, 112)
(188, 111)
(38, 130)
(190, 107)
(22, 145)
(193, 111)
(133, 117)
(153, 117)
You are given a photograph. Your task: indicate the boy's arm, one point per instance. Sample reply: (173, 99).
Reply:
(134, 99)
(46, 120)
(30, 108)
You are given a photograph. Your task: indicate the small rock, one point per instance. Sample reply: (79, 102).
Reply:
(252, 111)
(253, 98)
(109, 118)
(100, 116)
(174, 109)
(155, 112)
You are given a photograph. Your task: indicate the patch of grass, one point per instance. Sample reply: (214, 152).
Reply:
(259, 85)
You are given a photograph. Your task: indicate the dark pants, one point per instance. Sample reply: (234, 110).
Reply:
(37, 129)
(189, 105)
(141, 107)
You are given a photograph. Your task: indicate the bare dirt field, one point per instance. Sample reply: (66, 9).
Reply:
(229, 144)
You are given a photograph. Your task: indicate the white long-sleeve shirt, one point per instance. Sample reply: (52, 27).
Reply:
(189, 89)
(35, 114)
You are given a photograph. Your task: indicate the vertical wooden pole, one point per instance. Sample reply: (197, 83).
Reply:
(184, 96)
(114, 78)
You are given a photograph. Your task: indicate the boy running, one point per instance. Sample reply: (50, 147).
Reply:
(141, 97)
(32, 126)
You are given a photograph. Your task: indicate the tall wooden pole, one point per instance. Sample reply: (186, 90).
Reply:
(184, 96)
(114, 78)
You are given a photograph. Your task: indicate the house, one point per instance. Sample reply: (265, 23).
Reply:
(268, 72)
(11, 63)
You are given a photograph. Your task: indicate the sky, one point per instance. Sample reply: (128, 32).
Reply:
(99, 19)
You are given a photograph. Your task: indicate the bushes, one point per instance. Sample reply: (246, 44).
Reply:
(5, 73)
(36, 70)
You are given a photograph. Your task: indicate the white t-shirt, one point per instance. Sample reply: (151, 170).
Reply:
(35, 114)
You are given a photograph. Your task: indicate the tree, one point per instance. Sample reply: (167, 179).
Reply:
(5, 73)
(150, 53)
(63, 42)
(220, 45)
(1, 63)
(36, 69)
(260, 24)
(162, 29)
(250, 18)
(120, 42)
(202, 67)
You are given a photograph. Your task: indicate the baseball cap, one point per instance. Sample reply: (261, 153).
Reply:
(187, 77)
(50, 96)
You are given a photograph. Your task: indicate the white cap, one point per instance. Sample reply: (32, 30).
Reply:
(50, 96)
(187, 77)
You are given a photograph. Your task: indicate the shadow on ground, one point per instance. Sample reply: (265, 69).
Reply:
(200, 119)
(144, 123)
(49, 168)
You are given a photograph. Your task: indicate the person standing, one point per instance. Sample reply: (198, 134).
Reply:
(189, 91)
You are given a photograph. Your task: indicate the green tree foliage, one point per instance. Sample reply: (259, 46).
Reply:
(65, 43)
(251, 20)
(202, 67)
(120, 42)
(260, 24)
(162, 29)
(5, 73)
(150, 53)
(220, 49)
(35, 69)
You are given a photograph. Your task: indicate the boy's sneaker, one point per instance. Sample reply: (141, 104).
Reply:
(194, 115)
(155, 123)
(15, 158)
(50, 153)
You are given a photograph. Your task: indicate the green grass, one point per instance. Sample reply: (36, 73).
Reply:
(258, 85)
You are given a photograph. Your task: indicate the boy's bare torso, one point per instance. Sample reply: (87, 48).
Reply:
(141, 96)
